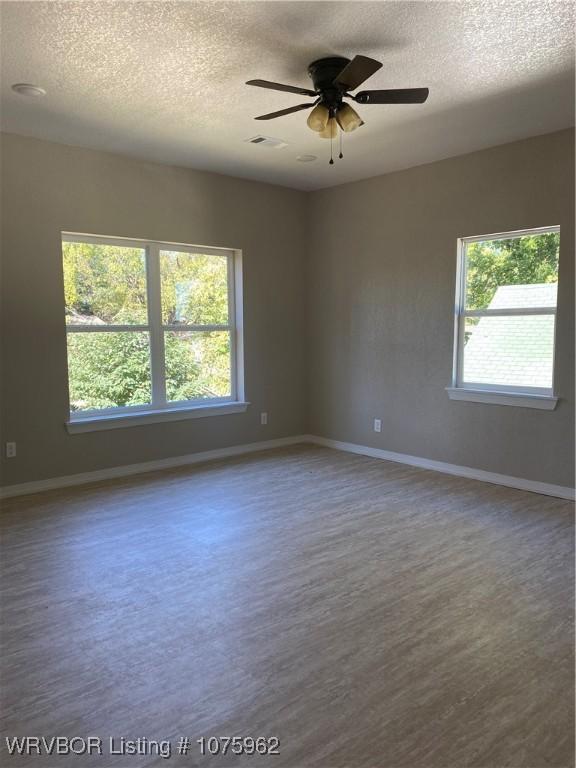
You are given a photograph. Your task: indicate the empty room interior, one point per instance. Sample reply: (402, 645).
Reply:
(287, 384)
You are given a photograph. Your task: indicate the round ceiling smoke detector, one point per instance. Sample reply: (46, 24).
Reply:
(28, 89)
(306, 158)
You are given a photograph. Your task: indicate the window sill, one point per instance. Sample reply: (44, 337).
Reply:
(100, 423)
(520, 400)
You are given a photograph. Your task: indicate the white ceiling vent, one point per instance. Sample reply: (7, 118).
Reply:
(267, 141)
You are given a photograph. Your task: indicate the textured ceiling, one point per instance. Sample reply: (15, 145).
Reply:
(165, 80)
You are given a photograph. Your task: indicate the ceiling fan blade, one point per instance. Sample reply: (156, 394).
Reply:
(358, 70)
(287, 111)
(280, 87)
(393, 96)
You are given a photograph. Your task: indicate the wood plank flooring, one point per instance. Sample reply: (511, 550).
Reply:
(366, 613)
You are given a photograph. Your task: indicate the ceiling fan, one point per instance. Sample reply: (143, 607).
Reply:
(333, 79)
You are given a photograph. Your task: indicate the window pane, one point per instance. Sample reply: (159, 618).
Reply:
(108, 370)
(197, 364)
(104, 284)
(194, 288)
(510, 351)
(518, 272)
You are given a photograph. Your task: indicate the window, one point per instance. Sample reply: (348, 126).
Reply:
(505, 318)
(153, 330)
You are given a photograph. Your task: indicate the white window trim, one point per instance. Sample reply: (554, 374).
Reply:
(524, 397)
(142, 417)
(159, 409)
(520, 400)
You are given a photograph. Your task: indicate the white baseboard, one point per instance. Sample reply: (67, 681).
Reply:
(451, 469)
(148, 466)
(237, 450)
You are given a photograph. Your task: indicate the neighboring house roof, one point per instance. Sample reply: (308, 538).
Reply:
(537, 295)
(516, 350)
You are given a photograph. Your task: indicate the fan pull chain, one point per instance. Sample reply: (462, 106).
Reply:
(331, 158)
(340, 156)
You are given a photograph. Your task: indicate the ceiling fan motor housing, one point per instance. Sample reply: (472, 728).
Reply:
(323, 72)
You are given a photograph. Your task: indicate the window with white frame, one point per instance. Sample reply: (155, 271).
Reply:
(151, 327)
(506, 313)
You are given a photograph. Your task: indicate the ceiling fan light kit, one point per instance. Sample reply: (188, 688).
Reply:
(331, 130)
(348, 119)
(333, 78)
(318, 118)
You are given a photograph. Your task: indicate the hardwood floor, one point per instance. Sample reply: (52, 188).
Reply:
(365, 613)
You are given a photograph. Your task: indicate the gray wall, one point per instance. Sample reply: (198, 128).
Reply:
(370, 297)
(381, 277)
(48, 188)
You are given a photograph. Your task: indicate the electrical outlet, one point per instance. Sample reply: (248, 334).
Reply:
(377, 425)
(10, 450)
(263, 418)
